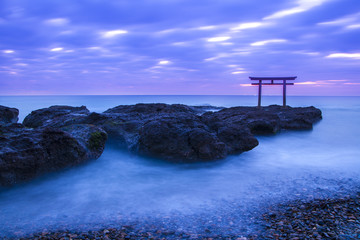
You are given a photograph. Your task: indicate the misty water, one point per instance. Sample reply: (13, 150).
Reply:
(225, 196)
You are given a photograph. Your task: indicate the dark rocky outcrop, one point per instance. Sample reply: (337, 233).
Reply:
(55, 116)
(8, 115)
(29, 152)
(265, 120)
(26, 153)
(178, 132)
(179, 137)
(61, 136)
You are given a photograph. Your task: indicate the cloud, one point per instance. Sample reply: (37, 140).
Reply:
(344, 55)
(57, 21)
(302, 6)
(343, 20)
(352, 83)
(219, 39)
(164, 62)
(57, 49)
(113, 33)
(306, 83)
(353, 26)
(206, 27)
(261, 43)
(8, 51)
(247, 26)
(238, 72)
(349, 22)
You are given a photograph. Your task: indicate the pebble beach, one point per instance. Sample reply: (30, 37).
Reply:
(329, 218)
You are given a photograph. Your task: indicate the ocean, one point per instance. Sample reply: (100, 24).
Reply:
(226, 196)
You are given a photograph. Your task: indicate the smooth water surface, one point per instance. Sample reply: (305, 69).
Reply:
(121, 188)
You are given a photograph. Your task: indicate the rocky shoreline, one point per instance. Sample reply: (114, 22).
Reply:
(329, 218)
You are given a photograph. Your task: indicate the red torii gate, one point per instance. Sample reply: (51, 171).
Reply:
(271, 81)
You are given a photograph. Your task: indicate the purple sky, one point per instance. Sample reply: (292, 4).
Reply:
(178, 46)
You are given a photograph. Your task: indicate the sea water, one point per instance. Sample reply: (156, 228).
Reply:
(225, 197)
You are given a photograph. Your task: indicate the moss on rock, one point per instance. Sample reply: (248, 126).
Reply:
(96, 140)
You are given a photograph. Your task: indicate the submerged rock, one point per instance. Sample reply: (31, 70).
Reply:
(8, 115)
(178, 132)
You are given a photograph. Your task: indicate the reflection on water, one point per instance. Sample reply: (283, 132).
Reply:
(120, 188)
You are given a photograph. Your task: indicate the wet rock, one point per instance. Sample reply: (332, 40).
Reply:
(237, 138)
(151, 108)
(91, 137)
(27, 153)
(181, 137)
(8, 115)
(178, 132)
(55, 116)
(265, 120)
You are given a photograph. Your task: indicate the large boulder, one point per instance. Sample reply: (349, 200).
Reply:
(26, 153)
(8, 115)
(179, 137)
(55, 116)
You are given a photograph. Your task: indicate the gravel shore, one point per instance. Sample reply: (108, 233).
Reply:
(332, 218)
(318, 219)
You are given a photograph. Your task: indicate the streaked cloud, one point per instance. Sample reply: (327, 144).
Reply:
(353, 26)
(344, 55)
(238, 72)
(212, 27)
(261, 43)
(113, 33)
(164, 62)
(345, 20)
(8, 51)
(57, 49)
(247, 26)
(219, 39)
(306, 83)
(57, 21)
(302, 6)
(352, 83)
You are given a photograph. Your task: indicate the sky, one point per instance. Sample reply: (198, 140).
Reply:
(150, 47)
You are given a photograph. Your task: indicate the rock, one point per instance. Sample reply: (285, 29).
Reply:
(265, 120)
(151, 108)
(178, 132)
(237, 138)
(8, 115)
(91, 137)
(256, 120)
(27, 153)
(181, 137)
(55, 116)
